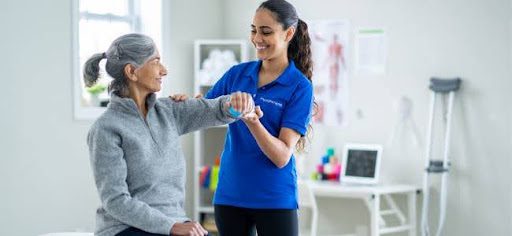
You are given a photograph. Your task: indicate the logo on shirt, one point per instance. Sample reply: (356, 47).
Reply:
(271, 102)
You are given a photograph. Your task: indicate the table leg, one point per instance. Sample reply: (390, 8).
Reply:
(412, 212)
(375, 213)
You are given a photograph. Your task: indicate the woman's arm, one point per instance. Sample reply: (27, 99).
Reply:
(194, 114)
(194, 108)
(279, 150)
(294, 122)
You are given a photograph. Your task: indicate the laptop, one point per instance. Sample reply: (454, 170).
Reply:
(361, 164)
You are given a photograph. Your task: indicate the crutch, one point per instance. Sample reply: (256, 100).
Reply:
(436, 166)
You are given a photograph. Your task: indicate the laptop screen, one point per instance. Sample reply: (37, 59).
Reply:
(361, 163)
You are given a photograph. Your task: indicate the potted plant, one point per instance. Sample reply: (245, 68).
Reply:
(95, 92)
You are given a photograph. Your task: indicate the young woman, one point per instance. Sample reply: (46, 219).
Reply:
(257, 185)
(135, 152)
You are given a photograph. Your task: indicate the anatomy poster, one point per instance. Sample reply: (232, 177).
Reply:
(329, 41)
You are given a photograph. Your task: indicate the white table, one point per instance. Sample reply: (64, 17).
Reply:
(372, 195)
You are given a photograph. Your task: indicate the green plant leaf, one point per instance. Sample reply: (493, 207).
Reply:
(96, 89)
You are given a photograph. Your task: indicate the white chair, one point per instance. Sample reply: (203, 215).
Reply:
(68, 234)
(307, 201)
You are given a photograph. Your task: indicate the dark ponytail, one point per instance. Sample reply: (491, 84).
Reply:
(299, 49)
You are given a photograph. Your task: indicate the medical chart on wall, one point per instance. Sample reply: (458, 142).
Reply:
(329, 44)
(370, 52)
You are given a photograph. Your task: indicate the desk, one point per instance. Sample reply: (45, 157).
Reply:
(373, 196)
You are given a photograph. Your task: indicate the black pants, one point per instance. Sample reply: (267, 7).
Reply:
(136, 232)
(236, 221)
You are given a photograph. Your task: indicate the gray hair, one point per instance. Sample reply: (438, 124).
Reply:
(134, 49)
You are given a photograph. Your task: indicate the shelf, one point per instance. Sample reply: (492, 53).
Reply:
(208, 143)
(396, 229)
(206, 209)
(210, 227)
(208, 223)
(219, 127)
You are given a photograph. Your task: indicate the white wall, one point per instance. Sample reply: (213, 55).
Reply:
(471, 39)
(44, 168)
(45, 176)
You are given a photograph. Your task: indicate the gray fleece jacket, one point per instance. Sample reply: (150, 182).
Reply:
(138, 164)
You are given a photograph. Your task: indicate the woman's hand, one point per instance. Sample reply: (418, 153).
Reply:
(179, 97)
(253, 117)
(182, 97)
(190, 228)
(242, 103)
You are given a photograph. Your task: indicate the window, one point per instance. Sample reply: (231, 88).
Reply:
(96, 24)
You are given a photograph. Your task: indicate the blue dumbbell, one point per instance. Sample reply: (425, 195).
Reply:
(234, 113)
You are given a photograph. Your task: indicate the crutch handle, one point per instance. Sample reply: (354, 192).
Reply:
(439, 85)
(436, 166)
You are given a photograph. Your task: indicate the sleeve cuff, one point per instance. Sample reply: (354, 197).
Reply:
(298, 128)
(166, 228)
(226, 117)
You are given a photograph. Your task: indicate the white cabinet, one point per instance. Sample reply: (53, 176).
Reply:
(212, 58)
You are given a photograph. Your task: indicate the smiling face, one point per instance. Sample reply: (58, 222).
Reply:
(268, 36)
(149, 75)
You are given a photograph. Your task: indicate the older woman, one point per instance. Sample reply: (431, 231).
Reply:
(135, 152)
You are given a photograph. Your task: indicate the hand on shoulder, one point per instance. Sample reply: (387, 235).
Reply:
(182, 97)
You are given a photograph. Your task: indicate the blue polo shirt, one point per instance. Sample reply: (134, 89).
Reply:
(247, 178)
